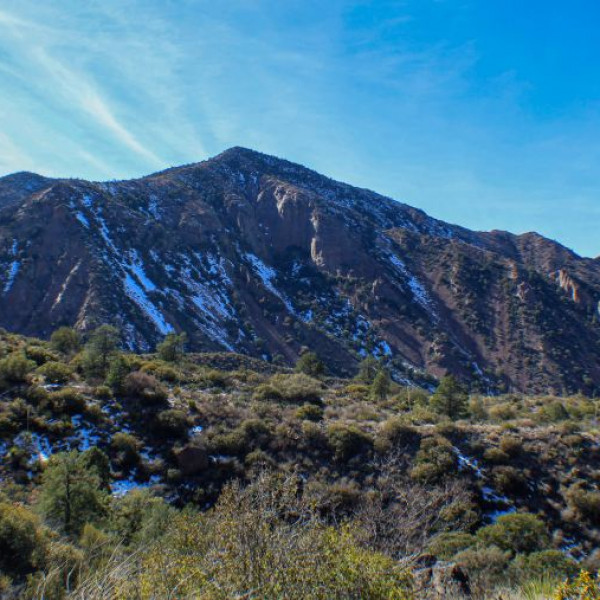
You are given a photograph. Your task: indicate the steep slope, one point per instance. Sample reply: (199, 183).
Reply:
(251, 253)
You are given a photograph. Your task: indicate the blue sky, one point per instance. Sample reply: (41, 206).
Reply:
(484, 113)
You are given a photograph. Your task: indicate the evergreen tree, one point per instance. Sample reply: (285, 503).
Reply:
(118, 369)
(72, 491)
(380, 388)
(99, 350)
(310, 364)
(172, 348)
(450, 399)
(368, 369)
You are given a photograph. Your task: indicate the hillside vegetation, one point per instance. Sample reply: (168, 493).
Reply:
(214, 476)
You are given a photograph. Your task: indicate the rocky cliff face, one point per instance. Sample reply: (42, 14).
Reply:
(253, 254)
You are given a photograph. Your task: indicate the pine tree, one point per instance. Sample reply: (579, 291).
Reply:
(118, 369)
(72, 491)
(172, 348)
(450, 399)
(310, 364)
(99, 350)
(368, 369)
(380, 388)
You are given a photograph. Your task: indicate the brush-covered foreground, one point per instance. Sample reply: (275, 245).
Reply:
(215, 476)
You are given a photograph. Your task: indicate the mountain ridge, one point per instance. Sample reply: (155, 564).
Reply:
(255, 254)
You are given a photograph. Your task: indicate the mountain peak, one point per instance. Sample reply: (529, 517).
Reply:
(250, 253)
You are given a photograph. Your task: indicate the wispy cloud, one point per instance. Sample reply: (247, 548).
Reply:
(395, 96)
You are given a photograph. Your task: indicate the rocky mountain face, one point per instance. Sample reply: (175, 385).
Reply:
(253, 254)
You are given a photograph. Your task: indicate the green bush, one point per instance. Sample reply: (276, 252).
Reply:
(68, 401)
(511, 445)
(509, 481)
(545, 564)
(65, 340)
(347, 441)
(126, 448)
(495, 456)
(450, 399)
(515, 533)
(394, 433)
(145, 388)
(445, 545)
(39, 355)
(297, 388)
(172, 348)
(266, 391)
(16, 367)
(502, 412)
(435, 460)
(22, 542)
(172, 423)
(554, 412)
(309, 412)
(585, 503)
(56, 372)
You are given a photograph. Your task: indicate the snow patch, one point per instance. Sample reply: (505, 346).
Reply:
(82, 219)
(13, 270)
(138, 296)
(416, 287)
(267, 275)
(136, 266)
(65, 285)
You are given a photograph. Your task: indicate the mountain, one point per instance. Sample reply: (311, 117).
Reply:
(252, 254)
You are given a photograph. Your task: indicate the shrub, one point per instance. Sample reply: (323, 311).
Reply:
(435, 459)
(16, 367)
(314, 436)
(56, 372)
(515, 533)
(38, 354)
(585, 503)
(445, 545)
(172, 423)
(347, 441)
(116, 375)
(22, 541)
(509, 481)
(65, 340)
(368, 369)
(495, 456)
(215, 378)
(297, 388)
(554, 412)
(126, 447)
(485, 567)
(394, 434)
(502, 412)
(545, 564)
(584, 587)
(72, 493)
(67, 401)
(145, 388)
(266, 391)
(309, 412)
(103, 392)
(380, 388)
(511, 445)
